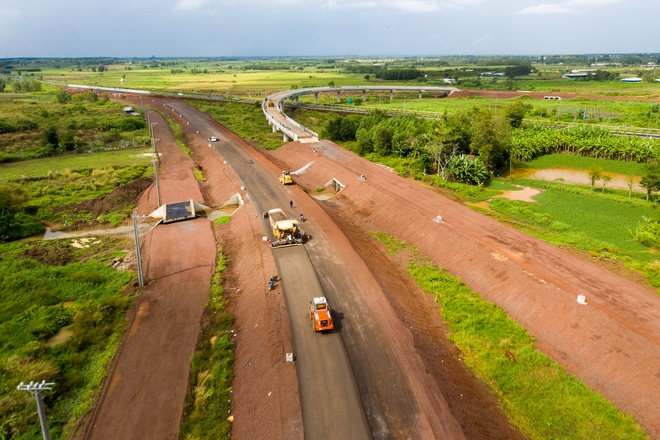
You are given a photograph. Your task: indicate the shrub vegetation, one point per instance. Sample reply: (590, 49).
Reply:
(51, 287)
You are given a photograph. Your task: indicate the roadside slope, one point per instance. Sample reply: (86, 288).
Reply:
(613, 344)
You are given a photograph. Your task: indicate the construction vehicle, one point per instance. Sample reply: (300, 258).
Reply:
(285, 178)
(286, 231)
(319, 313)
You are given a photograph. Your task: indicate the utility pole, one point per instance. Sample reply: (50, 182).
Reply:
(155, 161)
(138, 256)
(36, 388)
(155, 155)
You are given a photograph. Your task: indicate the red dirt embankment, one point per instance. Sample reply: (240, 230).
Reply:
(150, 375)
(144, 395)
(612, 344)
(265, 401)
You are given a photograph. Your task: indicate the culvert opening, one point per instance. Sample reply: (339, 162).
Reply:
(228, 208)
(329, 190)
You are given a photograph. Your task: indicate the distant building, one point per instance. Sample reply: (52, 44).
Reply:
(498, 75)
(449, 81)
(632, 79)
(575, 75)
(130, 111)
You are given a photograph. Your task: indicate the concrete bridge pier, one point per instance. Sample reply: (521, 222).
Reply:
(285, 138)
(274, 128)
(338, 96)
(420, 94)
(391, 95)
(316, 98)
(364, 96)
(296, 99)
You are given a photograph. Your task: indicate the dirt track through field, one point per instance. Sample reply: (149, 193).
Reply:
(144, 395)
(612, 344)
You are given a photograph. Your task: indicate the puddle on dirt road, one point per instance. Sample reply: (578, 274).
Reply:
(122, 230)
(62, 335)
(580, 177)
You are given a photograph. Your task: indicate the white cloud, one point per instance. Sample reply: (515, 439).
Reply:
(7, 13)
(414, 5)
(565, 7)
(482, 39)
(592, 2)
(334, 4)
(552, 8)
(189, 5)
(9, 18)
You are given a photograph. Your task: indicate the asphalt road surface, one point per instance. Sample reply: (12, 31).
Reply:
(329, 395)
(329, 398)
(396, 403)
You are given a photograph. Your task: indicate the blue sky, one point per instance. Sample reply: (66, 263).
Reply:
(142, 28)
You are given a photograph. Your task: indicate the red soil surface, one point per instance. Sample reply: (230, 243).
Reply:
(265, 402)
(150, 375)
(165, 320)
(612, 344)
(443, 389)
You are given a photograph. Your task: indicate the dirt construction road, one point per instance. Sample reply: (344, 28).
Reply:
(612, 344)
(401, 396)
(144, 394)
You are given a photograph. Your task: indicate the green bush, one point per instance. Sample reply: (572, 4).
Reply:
(648, 233)
(39, 299)
(132, 124)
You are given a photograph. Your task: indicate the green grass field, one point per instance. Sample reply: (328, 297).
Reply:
(582, 163)
(95, 126)
(608, 112)
(47, 286)
(541, 399)
(53, 165)
(247, 121)
(602, 224)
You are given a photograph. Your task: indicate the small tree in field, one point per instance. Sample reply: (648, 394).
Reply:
(595, 174)
(63, 97)
(630, 181)
(442, 150)
(651, 180)
(605, 180)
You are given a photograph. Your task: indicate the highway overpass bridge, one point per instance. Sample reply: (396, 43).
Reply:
(291, 130)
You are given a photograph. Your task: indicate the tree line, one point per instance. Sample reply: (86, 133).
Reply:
(469, 147)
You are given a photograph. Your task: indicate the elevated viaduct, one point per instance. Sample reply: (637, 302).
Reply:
(291, 130)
